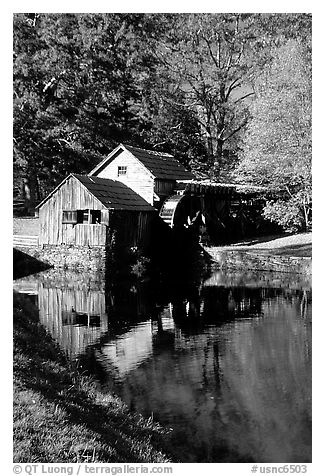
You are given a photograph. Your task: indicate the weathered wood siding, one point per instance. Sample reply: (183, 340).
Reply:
(138, 178)
(72, 195)
(164, 188)
(132, 228)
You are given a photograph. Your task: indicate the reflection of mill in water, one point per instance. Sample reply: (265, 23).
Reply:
(123, 326)
(71, 308)
(225, 364)
(76, 318)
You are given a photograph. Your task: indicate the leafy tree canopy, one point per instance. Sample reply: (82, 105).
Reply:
(188, 84)
(277, 145)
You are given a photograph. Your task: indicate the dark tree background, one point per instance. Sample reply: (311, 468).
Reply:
(188, 84)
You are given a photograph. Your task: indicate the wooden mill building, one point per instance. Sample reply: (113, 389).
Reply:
(153, 175)
(182, 201)
(125, 199)
(84, 215)
(82, 209)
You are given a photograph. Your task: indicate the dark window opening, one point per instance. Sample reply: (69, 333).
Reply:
(81, 216)
(95, 216)
(80, 319)
(121, 170)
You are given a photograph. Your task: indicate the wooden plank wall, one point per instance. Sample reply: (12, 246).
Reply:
(164, 188)
(133, 228)
(137, 177)
(25, 240)
(71, 196)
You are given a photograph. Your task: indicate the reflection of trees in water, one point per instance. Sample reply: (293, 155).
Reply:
(227, 367)
(304, 305)
(241, 381)
(192, 306)
(267, 385)
(215, 306)
(244, 386)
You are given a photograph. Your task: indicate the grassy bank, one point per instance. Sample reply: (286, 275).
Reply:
(59, 415)
(299, 245)
(283, 253)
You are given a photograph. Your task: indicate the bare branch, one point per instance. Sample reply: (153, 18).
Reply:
(219, 135)
(64, 140)
(214, 116)
(159, 143)
(237, 25)
(232, 86)
(288, 190)
(217, 64)
(199, 95)
(236, 130)
(218, 50)
(244, 97)
(239, 55)
(182, 104)
(176, 127)
(229, 65)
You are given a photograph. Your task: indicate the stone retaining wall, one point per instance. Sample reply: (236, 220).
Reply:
(69, 256)
(243, 260)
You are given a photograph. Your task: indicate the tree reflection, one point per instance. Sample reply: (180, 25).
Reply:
(227, 366)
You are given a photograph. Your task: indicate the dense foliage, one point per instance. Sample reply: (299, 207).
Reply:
(194, 85)
(277, 149)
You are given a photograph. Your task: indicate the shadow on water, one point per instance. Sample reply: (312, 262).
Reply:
(222, 359)
(25, 264)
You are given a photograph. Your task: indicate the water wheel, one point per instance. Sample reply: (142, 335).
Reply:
(180, 210)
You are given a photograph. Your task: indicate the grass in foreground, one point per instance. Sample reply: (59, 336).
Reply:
(60, 416)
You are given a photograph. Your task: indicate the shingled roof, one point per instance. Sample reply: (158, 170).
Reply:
(162, 166)
(113, 194)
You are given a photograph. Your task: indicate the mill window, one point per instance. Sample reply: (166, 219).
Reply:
(80, 319)
(69, 216)
(95, 216)
(121, 170)
(83, 216)
(86, 217)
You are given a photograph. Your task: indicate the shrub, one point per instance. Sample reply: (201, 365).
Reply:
(286, 214)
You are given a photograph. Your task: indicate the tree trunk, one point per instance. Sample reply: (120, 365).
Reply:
(210, 149)
(220, 132)
(31, 192)
(219, 154)
(306, 216)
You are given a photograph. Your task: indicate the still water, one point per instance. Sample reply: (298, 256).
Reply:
(223, 361)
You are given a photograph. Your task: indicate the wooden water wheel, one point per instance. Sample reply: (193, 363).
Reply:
(180, 210)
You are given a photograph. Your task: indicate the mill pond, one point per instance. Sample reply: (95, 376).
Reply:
(223, 361)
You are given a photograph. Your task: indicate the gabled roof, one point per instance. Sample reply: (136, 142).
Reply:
(161, 165)
(114, 195)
